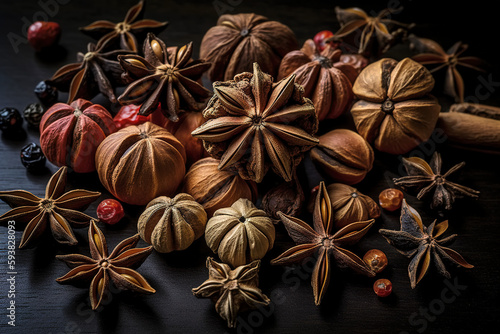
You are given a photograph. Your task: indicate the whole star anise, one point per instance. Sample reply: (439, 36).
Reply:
(422, 244)
(102, 268)
(95, 71)
(376, 38)
(431, 53)
(168, 78)
(233, 291)
(126, 32)
(427, 178)
(56, 211)
(321, 243)
(253, 124)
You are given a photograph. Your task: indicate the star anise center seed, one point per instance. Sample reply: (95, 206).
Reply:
(166, 70)
(452, 61)
(231, 285)
(257, 120)
(354, 195)
(388, 106)
(327, 242)
(104, 263)
(143, 135)
(88, 56)
(244, 32)
(77, 112)
(242, 219)
(122, 27)
(323, 61)
(47, 204)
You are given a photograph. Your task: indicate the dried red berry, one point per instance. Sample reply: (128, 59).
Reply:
(390, 199)
(43, 34)
(110, 211)
(376, 260)
(382, 287)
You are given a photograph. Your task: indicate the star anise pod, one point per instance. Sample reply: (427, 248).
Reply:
(126, 32)
(101, 268)
(422, 244)
(164, 77)
(427, 178)
(431, 53)
(253, 124)
(233, 291)
(319, 242)
(95, 71)
(56, 211)
(375, 32)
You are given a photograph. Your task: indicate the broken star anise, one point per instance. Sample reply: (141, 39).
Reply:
(168, 78)
(56, 211)
(253, 124)
(422, 244)
(431, 53)
(102, 268)
(233, 291)
(95, 71)
(428, 179)
(319, 242)
(126, 32)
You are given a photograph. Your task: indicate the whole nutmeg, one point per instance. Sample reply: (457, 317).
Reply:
(395, 111)
(349, 205)
(214, 188)
(343, 155)
(171, 224)
(240, 234)
(141, 162)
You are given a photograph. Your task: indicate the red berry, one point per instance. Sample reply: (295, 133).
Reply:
(43, 34)
(128, 115)
(391, 199)
(382, 287)
(376, 260)
(320, 37)
(110, 211)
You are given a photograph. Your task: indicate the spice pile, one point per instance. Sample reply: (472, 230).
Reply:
(198, 159)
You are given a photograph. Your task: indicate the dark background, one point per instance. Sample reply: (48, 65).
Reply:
(44, 306)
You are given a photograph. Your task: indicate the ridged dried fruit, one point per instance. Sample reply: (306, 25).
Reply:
(395, 111)
(240, 234)
(70, 134)
(171, 224)
(343, 155)
(141, 162)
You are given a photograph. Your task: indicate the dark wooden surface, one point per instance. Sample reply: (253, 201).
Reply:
(44, 306)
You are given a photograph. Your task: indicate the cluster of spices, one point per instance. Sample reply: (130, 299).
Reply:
(199, 157)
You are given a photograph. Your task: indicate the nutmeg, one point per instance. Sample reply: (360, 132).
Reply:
(214, 188)
(343, 155)
(349, 205)
(170, 224)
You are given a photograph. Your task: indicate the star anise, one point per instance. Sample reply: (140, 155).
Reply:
(165, 77)
(422, 244)
(431, 53)
(375, 32)
(428, 179)
(253, 124)
(57, 210)
(125, 32)
(233, 291)
(95, 71)
(102, 268)
(319, 242)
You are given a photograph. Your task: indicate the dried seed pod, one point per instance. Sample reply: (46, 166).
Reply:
(214, 188)
(349, 205)
(171, 224)
(343, 155)
(288, 197)
(240, 234)
(395, 111)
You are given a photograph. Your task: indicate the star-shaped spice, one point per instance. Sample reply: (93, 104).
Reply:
(95, 71)
(233, 291)
(375, 33)
(422, 244)
(254, 123)
(168, 78)
(56, 211)
(428, 179)
(319, 242)
(101, 269)
(431, 53)
(126, 32)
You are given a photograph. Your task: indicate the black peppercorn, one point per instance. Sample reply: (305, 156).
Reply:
(10, 119)
(33, 114)
(32, 157)
(46, 93)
